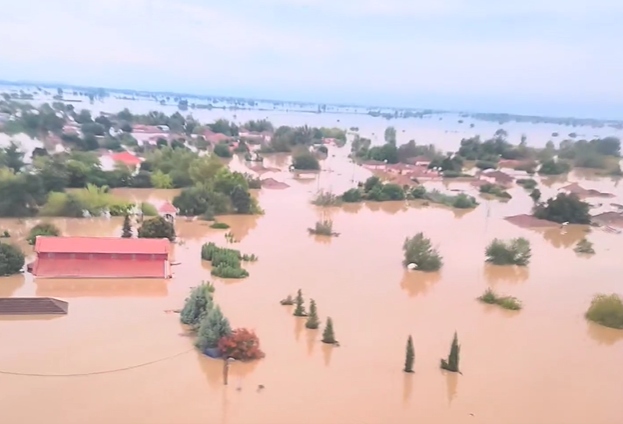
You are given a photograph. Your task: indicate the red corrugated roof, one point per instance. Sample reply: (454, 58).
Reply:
(167, 208)
(101, 245)
(98, 268)
(126, 157)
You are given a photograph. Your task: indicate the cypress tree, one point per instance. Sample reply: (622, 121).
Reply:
(410, 356)
(327, 335)
(312, 319)
(452, 363)
(299, 311)
(127, 228)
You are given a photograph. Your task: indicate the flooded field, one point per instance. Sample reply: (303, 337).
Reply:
(544, 364)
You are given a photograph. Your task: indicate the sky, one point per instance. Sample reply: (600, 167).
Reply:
(548, 57)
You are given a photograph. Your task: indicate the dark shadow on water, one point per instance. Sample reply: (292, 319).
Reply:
(603, 335)
(327, 352)
(352, 207)
(299, 325)
(311, 341)
(452, 382)
(212, 369)
(505, 273)
(407, 388)
(417, 283)
(390, 208)
(9, 285)
(565, 237)
(30, 317)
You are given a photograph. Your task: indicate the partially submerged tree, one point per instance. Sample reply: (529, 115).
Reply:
(43, 229)
(288, 301)
(197, 305)
(11, 260)
(299, 310)
(564, 208)
(323, 228)
(513, 252)
(242, 345)
(312, 319)
(452, 363)
(506, 302)
(212, 328)
(157, 227)
(584, 246)
(418, 250)
(126, 232)
(328, 335)
(409, 356)
(606, 310)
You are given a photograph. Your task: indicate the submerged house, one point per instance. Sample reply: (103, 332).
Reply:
(101, 257)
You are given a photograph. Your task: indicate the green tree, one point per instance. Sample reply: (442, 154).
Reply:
(213, 326)
(312, 319)
(390, 135)
(409, 356)
(42, 229)
(554, 167)
(241, 200)
(161, 180)
(418, 250)
(535, 195)
(127, 228)
(12, 157)
(452, 363)
(11, 259)
(157, 227)
(514, 252)
(222, 150)
(197, 305)
(305, 161)
(328, 335)
(299, 310)
(564, 208)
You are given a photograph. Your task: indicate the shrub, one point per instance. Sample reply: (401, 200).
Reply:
(312, 319)
(305, 161)
(352, 196)
(584, 246)
(242, 345)
(11, 259)
(323, 228)
(328, 336)
(222, 150)
(126, 231)
(288, 301)
(483, 164)
(606, 310)
(495, 190)
(5, 234)
(506, 302)
(212, 328)
(197, 305)
(452, 363)
(219, 226)
(157, 227)
(418, 250)
(553, 167)
(42, 229)
(514, 252)
(418, 192)
(299, 311)
(326, 198)
(226, 263)
(527, 183)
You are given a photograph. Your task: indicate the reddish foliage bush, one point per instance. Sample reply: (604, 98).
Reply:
(242, 345)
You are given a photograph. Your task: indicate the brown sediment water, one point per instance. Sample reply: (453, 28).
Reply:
(544, 364)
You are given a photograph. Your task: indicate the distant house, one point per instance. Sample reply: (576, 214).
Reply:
(167, 211)
(101, 257)
(420, 161)
(497, 177)
(110, 160)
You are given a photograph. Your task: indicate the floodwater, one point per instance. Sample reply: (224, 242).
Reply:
(544, 364)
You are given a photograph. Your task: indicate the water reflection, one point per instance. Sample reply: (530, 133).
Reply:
(327, 352)
(551, 181)
(101, 288)
(241, 225)
(505, 273)
(407, 388)
(417, 283)
(212, 369)
(452, 382)
(276, 160)
(390, 208)
(9, 285)
(352, 207)
(321, 239)
(30, 317)
(603, 335)
(193, 230)
(567, 237)
(311, 341)
(299, 324)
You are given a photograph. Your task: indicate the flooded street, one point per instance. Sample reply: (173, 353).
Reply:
(544, 364)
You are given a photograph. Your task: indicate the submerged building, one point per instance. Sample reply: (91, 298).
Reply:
(101, 257)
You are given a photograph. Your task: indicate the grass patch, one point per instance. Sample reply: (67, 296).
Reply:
(219, 226)
(506, 302)
(606, 310)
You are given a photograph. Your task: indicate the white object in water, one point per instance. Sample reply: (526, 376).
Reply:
(565, 223)
(412, 266)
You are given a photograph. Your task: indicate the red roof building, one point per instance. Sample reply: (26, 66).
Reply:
(126, 158)
(101, 257)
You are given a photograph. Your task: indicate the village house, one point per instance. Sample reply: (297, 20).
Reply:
(109, 160)
(167, 211)
(420, 161)
(101, 257)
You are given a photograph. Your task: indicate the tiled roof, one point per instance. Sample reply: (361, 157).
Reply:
(98, 268)
(101, 245)
(126, 157)
(167, 208)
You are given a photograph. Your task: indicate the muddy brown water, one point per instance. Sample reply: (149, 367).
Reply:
(544, 364)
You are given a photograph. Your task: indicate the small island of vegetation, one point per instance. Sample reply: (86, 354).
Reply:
(506, 302)
(323, 228)
(606, 310)
(420, 254)
(513, 252)
(226, 263)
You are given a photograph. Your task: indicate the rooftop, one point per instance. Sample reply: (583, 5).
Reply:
(101, 245)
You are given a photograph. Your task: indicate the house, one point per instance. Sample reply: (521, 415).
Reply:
(497, 177)
(101, 257)
(167, 211)
(127, 159)
(420, 161)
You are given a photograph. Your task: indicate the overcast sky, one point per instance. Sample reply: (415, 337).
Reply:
(557, 57)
